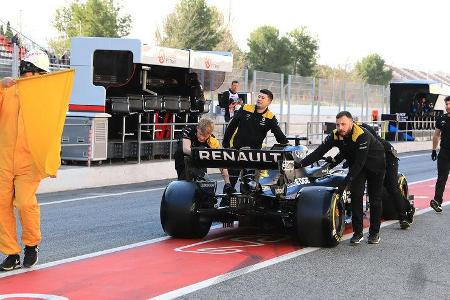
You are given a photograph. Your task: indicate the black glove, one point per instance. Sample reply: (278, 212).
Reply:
(329, 159)
(297, 165)
(341, 188)
(345, 164)
(228, 189)
(433, 155)
(344, 185)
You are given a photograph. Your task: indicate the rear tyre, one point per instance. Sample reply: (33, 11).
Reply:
(178, 213)
(320, 219)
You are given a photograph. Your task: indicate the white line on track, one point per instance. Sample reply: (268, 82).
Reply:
(90, 255)
(202, 284)
(414, 155)
(104, 196)
(100, 196)
(221, 278)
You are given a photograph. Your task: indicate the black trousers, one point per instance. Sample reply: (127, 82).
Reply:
(391, 184)
(227, 116)
(374, 188)
(443, 166)
(179, 165)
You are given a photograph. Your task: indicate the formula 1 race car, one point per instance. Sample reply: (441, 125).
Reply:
(271, 189)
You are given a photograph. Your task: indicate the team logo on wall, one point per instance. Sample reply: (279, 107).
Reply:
(208, 62)
(161, 57)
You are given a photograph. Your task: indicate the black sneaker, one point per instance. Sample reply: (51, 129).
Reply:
(356, 238)
(373, 239)
(31, 256)
(11, 262)
(410, 215)
(436, 206)
(404, 224)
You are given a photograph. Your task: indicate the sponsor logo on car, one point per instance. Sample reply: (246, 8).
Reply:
(249, 156)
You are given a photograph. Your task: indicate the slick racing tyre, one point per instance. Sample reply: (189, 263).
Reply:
(389, 210)
(178, 213)
(320, 218)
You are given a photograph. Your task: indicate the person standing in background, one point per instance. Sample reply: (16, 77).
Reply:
(442, 135)
(231, 100)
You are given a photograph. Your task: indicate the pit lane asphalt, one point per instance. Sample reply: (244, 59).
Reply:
(407, 264)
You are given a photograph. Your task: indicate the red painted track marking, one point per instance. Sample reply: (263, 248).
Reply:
(152, 270)
(425, 191)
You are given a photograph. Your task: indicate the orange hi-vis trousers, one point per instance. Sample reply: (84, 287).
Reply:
(19, 178)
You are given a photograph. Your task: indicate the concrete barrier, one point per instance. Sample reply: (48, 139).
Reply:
(73, 177)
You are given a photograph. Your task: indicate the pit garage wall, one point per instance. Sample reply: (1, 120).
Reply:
(402, 96)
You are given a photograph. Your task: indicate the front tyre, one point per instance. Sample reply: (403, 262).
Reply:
(178, 213)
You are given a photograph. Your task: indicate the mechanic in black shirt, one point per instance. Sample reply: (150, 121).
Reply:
(249, 127)
(198, 136)
(365, 155)
(405, 211)
(441, 133)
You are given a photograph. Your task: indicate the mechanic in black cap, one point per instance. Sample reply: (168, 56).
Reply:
(405, 211)
(365, 155)
(442, 134)
(249, 128)
(196, 136)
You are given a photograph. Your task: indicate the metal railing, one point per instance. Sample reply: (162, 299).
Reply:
(314, 132)
(397, 131)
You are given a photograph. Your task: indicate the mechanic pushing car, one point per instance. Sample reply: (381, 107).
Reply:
(365, 155)
(249, 128)
(197, 136)
(405, 212)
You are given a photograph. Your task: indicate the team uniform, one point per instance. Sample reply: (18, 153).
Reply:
(249, 128)
(404, 210)
(366, 158)
(190, 133)
(443, 159)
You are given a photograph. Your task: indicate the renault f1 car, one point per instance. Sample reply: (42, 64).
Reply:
(272, 189)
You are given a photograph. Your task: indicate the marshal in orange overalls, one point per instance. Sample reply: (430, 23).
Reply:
(31, 121)
(19, 178)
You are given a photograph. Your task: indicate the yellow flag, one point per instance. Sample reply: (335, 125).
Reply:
(44, 101)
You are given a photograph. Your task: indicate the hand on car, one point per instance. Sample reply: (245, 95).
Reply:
(228, 189)
(344, 186)
(345, 164)
(341, 188)
(329, 159)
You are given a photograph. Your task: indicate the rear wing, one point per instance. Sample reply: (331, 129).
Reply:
(236, 159)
